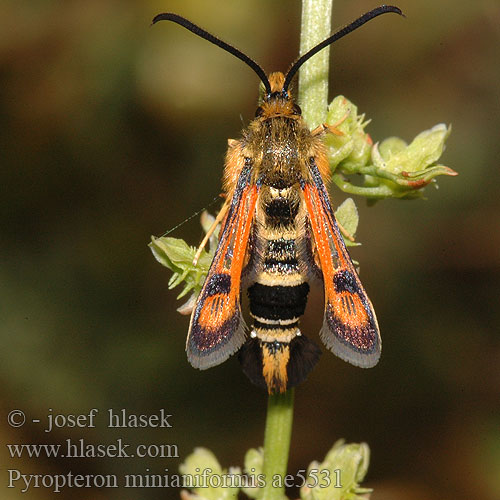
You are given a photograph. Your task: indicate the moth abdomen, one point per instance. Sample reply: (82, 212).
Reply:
(277, 303)
(278, 366)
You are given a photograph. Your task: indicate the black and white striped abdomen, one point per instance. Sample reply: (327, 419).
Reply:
(278, 297)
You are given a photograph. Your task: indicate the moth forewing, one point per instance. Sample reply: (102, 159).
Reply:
(217, 329)
(350, 329)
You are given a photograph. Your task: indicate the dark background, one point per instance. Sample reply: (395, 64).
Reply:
(111, 131)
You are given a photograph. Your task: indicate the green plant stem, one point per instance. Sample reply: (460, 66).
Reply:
(313, 75)
(277, 443)
(313, 99)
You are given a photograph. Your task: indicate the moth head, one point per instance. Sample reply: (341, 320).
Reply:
(278, 102)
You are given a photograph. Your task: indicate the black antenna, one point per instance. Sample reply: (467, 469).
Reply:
(168, 16)
(383, 9)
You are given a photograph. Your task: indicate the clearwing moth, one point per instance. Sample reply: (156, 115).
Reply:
(278, 233)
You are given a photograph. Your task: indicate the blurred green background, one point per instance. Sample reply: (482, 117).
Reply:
(111, 131)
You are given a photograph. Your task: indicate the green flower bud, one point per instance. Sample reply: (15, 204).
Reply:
(353, 146)
(396, 157)
(178, 256)
(210, 481)
(339, 475)
(348, 218)
(254, 461)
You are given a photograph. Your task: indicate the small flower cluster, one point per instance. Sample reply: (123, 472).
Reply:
(390, 169)
(337, 477)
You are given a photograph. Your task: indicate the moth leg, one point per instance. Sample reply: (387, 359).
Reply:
(211, 230)
(324, 128)
(344, 231)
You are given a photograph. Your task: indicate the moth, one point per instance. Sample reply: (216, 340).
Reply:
(279, 233)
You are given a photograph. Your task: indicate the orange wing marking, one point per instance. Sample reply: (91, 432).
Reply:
(350, 327)
(217, 329)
